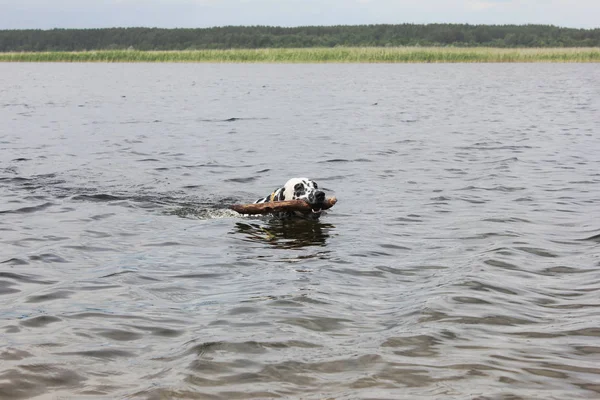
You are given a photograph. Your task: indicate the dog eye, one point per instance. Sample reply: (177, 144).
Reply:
(298, 186)
(315, 185)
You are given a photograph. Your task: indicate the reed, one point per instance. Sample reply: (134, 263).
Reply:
(321, 55)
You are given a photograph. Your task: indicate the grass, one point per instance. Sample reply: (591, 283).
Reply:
(321, 55)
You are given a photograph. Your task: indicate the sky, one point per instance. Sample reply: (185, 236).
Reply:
(48, 14)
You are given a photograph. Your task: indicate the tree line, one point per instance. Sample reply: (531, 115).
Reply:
(246, 37)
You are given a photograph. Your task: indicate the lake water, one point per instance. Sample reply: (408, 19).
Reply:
(462, 260)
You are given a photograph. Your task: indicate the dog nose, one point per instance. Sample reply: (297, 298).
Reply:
(320, 196)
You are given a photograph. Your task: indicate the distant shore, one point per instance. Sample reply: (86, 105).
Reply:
(323, 55)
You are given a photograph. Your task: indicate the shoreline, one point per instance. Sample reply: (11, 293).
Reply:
(322, 55)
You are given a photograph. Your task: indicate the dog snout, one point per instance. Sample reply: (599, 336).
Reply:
(320, 196)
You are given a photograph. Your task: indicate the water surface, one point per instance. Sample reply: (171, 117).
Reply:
(461, 261)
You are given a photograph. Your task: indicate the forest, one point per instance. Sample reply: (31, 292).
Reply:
(256, 37)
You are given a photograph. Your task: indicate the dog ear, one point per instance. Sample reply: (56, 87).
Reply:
(280, 194)
(277, 195)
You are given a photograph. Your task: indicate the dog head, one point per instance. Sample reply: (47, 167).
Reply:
(304, 189)
(298, 189)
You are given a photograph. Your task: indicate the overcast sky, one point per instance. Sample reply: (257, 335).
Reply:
(46, 14)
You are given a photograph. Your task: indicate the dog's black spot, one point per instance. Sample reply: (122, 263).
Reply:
(299, 190)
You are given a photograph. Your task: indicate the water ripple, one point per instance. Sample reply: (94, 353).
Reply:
(461, 263)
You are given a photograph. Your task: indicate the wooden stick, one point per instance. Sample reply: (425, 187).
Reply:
(277, 206)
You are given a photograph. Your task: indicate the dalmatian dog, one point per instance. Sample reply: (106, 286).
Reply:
(298, 188)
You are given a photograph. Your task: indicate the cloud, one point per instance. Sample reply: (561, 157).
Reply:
(203, 13)
(486, 4)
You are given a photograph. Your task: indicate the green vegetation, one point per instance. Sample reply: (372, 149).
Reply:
(321, 55)
(254, 37)
(360, 43)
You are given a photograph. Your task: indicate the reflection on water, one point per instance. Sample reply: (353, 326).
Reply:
(286, 234)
